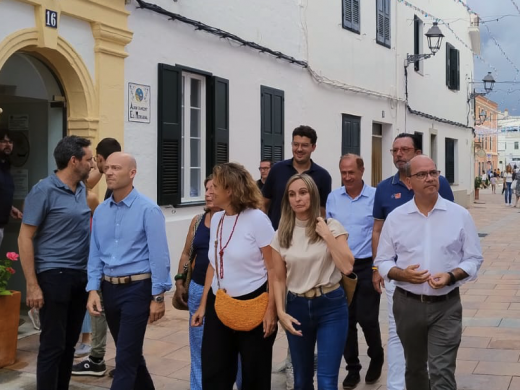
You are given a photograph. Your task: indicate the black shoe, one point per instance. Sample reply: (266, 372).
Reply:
(351, 380)
(374, 370)
(88, 368)
(111, 373)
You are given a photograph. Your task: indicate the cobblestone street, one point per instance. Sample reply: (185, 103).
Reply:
(489, 357)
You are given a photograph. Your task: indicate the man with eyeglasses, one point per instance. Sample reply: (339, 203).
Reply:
(303, 145)
(6, 183)
(428, 247)
(264, 168)
(390, 194)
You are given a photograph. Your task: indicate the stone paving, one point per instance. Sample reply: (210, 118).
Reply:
(489, 357)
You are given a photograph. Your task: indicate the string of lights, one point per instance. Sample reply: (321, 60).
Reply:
(515, 5)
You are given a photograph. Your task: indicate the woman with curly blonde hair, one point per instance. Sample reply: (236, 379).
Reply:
(309, 256)
(240, 265)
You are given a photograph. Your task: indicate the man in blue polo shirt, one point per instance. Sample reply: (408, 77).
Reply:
(303, 145)
(390, 194)
(352, 205)
(54, 246)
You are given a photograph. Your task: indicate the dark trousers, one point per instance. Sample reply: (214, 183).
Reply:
(430, 334)
(364, 310)
(127, 309)
(222, 345)
(61, 316)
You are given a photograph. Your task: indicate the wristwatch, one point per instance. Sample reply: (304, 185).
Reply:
(158, 298)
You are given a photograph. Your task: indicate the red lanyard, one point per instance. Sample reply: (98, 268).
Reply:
(222, 248)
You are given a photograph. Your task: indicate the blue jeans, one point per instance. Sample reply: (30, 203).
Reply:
(508, 193)
(325, 320)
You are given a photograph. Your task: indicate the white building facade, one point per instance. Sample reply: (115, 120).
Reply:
(508, 141)
(215, 99)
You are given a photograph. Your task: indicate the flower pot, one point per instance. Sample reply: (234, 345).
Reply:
(10, 309)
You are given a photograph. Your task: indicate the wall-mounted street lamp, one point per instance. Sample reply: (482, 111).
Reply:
(489, 83)
(434, 36)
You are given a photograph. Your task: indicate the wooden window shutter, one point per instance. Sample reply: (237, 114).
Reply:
(169, 143)
(272, 108)
(351, 135)
(351, 17)
(219, 128)
(380, 22)
(457, 69)
(450, 160)
(387, 23)
(416, 40)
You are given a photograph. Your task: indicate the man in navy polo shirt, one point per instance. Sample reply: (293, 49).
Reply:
(390, 194)
(303, 144)
(54, 247)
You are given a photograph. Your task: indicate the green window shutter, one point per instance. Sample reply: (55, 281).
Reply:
(457, 69)
(218, 130)
(351, 135)
(450, 160)
(272, 124)
(169, 142)
(448, 65)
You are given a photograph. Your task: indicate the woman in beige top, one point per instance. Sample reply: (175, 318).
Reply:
(309, 256)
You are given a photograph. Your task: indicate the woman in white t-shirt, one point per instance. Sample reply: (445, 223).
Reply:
(309, 256)
(508, 181)
(242, 233)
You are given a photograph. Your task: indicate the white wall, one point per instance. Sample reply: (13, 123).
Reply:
(308, 31)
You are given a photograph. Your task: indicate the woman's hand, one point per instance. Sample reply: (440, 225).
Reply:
(287, 322)
(179, 298)
(270, 320)
(323, 229)
(198, 317)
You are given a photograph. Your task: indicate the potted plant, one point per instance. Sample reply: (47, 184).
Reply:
(478, 183)
(10, 309)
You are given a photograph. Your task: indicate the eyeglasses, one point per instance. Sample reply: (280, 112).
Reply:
(299, 144)
(264, 168)
(404, 150)
(6, 141)
(423, 175)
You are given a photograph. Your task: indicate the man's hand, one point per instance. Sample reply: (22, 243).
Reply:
(156, 311)
(179, 298)
(415, 277)
(34, 296)
(439, 280)
(378, 281)
(94, 304)
(15, 213)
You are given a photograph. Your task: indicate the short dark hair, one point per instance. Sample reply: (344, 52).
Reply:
(417, 144)
(267, 160)
(68, 147)
(5, 133)
(306, 131)
(107, 146)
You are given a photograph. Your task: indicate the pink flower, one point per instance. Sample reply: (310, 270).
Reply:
(10, 270)
(13, 256)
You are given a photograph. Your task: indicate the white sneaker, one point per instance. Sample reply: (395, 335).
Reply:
(82, 350)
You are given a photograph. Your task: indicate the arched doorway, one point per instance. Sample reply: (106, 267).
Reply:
(34, 111)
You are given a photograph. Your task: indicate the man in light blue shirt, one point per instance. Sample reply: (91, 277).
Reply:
(352, 205)
(129, 259)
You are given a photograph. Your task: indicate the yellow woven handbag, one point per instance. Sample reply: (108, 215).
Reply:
(241, 315)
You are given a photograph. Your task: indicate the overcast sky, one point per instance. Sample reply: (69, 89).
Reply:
(507, 33)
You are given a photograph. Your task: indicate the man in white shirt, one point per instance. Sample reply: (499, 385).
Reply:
(429, 247)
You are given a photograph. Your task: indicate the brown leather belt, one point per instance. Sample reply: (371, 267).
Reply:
(429, 298)
(318, 291)
(126, 279)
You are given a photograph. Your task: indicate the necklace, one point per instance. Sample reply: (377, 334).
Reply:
(223, 248)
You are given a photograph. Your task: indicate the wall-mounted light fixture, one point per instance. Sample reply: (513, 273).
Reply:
(434, 36)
